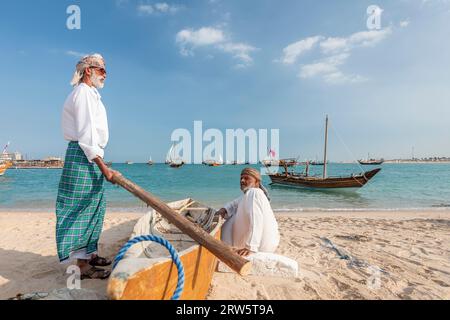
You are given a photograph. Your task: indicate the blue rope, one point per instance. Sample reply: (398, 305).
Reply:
(173, 254)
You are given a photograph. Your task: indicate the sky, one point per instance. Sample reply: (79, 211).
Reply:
(261, 64)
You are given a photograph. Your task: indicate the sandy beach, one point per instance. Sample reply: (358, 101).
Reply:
(341, 255)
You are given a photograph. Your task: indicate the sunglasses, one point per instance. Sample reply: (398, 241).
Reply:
(102, 70)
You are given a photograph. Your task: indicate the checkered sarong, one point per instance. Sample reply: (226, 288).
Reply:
(80, 205)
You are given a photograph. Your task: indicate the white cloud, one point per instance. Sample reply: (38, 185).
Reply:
(358, 39)
(369, 38)
(336, 51)
(325, 66)
(330, 45)
(157, 8)
(145, 9)
(340, 78)
(294, 50)
(162, 7)
(404, 23)
(190, 39)
(328, 70)
(240, 51)
(76, 54)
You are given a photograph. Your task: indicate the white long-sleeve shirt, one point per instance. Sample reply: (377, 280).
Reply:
(251, 223)
(84, 120)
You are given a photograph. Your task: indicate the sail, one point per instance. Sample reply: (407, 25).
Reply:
(169, 156)
(175, 158)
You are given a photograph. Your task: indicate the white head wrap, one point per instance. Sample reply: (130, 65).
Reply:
(255, 174)
(94, 60)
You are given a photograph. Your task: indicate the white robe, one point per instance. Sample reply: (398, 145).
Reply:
(84, 120)
(251, 223)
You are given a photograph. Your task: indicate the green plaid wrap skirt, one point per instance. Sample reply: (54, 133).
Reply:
(80, 205)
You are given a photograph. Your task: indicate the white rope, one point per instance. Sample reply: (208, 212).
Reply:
(347, 148)
(206, 220)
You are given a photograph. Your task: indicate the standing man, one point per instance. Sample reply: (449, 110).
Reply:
(80, 205)
(251, 225)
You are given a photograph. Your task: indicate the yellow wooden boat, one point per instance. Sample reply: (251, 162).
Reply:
(147, 272)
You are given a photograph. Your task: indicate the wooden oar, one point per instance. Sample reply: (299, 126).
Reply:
(216, 247)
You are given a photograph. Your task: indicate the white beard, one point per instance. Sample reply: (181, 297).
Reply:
(97, 81)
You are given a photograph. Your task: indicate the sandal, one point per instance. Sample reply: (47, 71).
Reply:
(95, 273)
(99, 262)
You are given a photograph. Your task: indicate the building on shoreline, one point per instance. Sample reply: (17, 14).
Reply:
(16, 156)
(421, 160)
(47, 163)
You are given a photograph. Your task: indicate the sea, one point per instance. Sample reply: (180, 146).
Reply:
(396, 187)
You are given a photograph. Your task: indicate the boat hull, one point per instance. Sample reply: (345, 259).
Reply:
(4, 167)
(370, 163)
(158, 280)
(352, 182)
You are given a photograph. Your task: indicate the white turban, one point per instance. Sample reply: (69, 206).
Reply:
(255, 174)
(94, 60)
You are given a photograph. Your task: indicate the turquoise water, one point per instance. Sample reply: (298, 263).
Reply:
(397, 186)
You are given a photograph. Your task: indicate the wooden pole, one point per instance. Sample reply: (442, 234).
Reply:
(325, 150)
(216, 247)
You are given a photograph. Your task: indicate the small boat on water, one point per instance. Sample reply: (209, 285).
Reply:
(287, 162)
(271, 159)
(215, 163)
(129, 162)
(172, 160)
(4, 166)
(150, 161)
(304, 180)
(147, 271)
(176, 164)
(371, 161)
(316, 163)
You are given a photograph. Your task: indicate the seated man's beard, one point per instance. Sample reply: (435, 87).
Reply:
(245, 188)
(97, 81)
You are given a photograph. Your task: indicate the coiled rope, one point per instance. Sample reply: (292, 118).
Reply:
(173, 254)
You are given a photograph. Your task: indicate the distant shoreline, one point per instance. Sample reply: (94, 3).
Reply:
(400, 162)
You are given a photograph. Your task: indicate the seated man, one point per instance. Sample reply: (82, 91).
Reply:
(251, 225)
